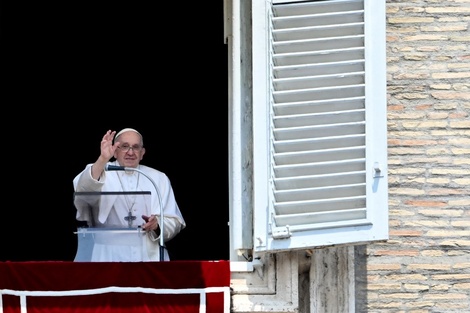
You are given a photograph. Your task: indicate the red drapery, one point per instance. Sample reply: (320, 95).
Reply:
(115, 287)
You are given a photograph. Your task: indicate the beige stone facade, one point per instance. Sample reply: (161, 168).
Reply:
(425, 265)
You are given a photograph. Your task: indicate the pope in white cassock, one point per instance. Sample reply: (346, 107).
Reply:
(129, 200)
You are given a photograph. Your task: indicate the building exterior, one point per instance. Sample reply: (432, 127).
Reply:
(419, 260)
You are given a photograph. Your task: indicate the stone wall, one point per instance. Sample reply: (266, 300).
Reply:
(425, 265)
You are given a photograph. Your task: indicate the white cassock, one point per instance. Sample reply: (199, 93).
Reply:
(114, 212)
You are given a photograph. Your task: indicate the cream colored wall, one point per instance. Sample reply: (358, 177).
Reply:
(425, 265)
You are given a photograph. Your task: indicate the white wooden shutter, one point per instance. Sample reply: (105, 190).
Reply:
(322, 144)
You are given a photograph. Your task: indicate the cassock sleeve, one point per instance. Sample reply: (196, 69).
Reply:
(87, 205)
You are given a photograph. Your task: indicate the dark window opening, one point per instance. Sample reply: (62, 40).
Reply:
(95, 67)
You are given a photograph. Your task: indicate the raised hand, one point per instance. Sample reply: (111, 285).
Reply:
(107, 147)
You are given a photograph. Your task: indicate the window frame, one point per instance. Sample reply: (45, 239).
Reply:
(249, 138)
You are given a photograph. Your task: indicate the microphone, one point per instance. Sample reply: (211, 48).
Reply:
(110, 167)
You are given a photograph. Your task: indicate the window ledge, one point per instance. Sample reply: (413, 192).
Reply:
(245, 266)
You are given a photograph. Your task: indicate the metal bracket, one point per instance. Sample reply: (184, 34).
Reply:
(281, 232)
(377, 170)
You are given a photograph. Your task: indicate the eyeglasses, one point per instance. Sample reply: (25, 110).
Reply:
(126, 148)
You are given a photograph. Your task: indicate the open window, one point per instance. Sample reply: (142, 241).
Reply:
(308, 149)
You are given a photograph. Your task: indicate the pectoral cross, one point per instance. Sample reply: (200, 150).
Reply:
(129, 218)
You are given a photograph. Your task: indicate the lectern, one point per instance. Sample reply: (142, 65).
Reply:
(105, 228)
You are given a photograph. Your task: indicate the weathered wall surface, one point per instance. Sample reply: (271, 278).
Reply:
(425, 266)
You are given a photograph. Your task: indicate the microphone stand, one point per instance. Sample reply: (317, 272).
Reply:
(122, 168)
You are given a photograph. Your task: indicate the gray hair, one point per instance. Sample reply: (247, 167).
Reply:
(125, 130)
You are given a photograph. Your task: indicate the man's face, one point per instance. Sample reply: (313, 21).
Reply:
(130, 150)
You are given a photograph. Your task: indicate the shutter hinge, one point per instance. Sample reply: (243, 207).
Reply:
(281, 232)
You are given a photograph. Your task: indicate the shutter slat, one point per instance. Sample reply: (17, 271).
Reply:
(323, 217)
(306, 157)
(318, 19)
(319, 181)
(313, 94)
(320, 193)
(327, 226)
(306, 8)
(319, 168)
(319, 131)
(319, 119)
(330, 31)
(320, 205)
(319, 81)
(302, 70)
(329, 44)
(311, 144)
(329, 105)
(304, 58)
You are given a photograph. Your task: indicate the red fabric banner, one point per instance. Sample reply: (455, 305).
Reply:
(115, 287)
